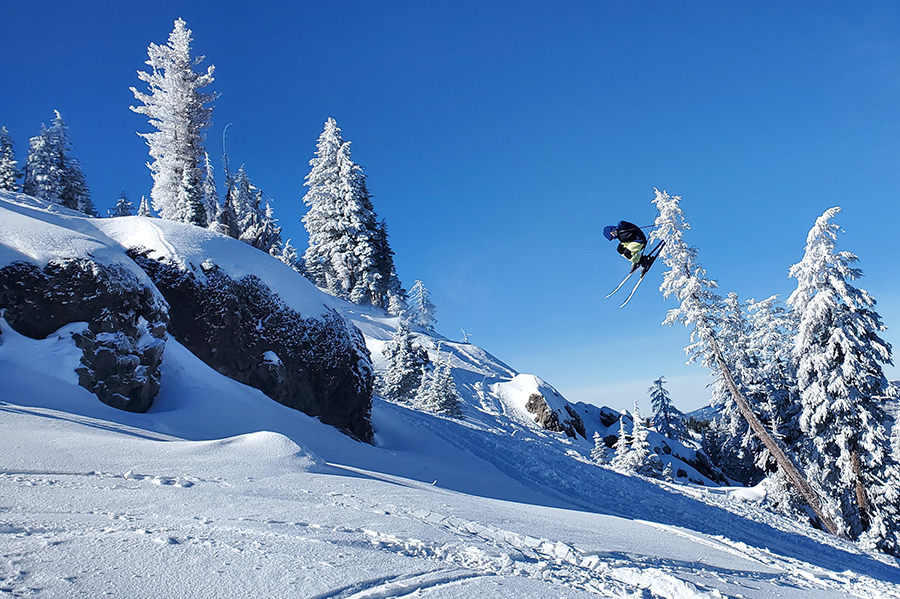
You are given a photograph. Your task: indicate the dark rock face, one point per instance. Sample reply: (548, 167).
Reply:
(608, 417)
(320, 366)
(706, 468)
(549, 420)
(124, 342)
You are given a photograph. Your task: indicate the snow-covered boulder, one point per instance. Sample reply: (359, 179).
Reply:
(134, 280)
(533, 397)
(124, 337)
(318, 365)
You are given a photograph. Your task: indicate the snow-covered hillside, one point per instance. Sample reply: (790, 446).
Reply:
(219, 491)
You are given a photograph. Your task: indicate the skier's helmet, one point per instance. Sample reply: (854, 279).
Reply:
(608, 231)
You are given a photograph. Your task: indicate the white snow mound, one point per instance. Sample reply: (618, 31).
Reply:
(515, 394)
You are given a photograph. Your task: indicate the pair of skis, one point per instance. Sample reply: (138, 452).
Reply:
(645, 264)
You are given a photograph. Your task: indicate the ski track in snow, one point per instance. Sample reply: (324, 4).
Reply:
(458, 551)
(496, 552)
(479, 550)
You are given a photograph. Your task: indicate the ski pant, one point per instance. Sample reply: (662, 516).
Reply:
(631, 250)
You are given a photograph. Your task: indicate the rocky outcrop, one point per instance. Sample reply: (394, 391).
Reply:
(123, 344)
(243, 330)
(550, 420)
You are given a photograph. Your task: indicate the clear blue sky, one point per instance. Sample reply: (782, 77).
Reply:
(500, 137)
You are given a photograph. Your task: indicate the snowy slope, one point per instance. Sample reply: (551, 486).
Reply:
(219, 491)
(263, 500)
(495, 396)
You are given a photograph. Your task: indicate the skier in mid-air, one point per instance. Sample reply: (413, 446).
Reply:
(632, 241)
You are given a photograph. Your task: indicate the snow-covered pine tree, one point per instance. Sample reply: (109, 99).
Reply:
(667, 419)
(289, 256)
(144, 208)
(641, 458)
(52, 174)
(438, 392)
(842, 390)
(622, 448)
(176, 108)
(667, 473)
(600, 452)
(421, 310)
(406, 363)
(124, 207)
(248, 215)
(348, 254)
(706, 312)
(264, 232)
(322, 219)
(210, 193)
(396, 296)
(227, 218)
(77, 190)
(44, 171)
(9, 168)
(241, 198)
(772, 332)
(686, 279)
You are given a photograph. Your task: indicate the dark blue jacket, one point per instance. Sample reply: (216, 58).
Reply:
(626, 232)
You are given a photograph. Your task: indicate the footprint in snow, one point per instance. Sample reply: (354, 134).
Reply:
(159, 480)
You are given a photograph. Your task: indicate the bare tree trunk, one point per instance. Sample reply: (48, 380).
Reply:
(793, 475)
(862, 500)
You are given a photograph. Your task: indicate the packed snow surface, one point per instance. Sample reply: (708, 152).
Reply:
(218, 491)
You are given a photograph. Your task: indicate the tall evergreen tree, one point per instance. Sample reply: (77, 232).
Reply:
(124, 207)
(348, 253)
(227, 218)
(641, 458)
(686, 279)
(176, 108)
(44, 168)
(711, 316)
(394, 295)
(421, 310)
(667, 419)
(52, 174)
(842, 390)
(210, 193)
(9, 169)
